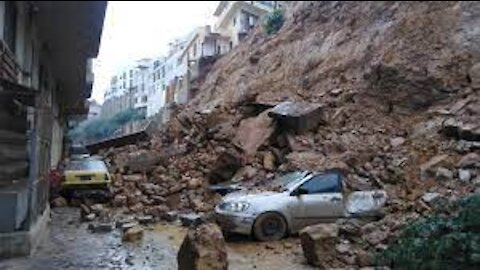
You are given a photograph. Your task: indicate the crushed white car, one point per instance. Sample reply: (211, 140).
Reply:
(306, 198)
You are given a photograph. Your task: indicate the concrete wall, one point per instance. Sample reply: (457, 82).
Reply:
(115, 105)
(31, 136)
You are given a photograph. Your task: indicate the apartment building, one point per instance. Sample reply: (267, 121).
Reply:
(128, 88)
(167, 76)
(235, 19)
(94, 109)
(45, 80)
(199, 54)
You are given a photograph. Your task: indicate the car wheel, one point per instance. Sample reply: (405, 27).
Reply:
(270, 227)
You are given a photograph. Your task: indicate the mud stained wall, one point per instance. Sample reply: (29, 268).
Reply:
(13, 165)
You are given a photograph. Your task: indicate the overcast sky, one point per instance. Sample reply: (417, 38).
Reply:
(137, 29)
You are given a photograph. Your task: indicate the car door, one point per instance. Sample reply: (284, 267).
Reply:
(320, 199)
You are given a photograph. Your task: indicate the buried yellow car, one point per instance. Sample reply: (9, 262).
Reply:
(86, 177)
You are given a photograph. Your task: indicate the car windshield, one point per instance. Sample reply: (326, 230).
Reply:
(86, 165)
(289, 180)
(78, 150)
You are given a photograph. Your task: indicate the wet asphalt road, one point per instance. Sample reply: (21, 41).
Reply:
(69, 245)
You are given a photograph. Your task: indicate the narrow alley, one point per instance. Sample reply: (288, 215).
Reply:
(70, 245)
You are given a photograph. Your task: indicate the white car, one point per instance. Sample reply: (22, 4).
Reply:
(306, 198)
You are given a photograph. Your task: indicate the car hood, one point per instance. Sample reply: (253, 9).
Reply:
(251, 196)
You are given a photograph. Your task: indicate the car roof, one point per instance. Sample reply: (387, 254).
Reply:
(86, 165)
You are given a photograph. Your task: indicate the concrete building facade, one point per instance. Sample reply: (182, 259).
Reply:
(128, 89)
(94, 110)
(167, 75)
(200, 53)
(235, 19)
(45, 79)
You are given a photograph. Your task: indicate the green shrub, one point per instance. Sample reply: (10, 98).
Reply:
(100, 128)
(439, 242)
(274, 21)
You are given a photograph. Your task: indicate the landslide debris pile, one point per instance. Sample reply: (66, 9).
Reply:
(387, 92)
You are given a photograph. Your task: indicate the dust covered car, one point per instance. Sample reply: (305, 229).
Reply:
(305, 198)
(87, 177)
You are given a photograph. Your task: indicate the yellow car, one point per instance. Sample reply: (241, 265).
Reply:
(85, 177)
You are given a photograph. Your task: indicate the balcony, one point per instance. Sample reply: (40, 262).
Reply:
(9, 69)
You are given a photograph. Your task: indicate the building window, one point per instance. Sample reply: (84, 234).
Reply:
(144, 99)
(10, 26)
(234, 21)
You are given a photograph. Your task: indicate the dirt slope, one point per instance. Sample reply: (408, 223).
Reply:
(399, 88)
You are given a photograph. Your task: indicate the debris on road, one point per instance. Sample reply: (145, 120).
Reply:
(203, 248)
(59, 202)
(100, 227)
(318, 244)
(132, 234)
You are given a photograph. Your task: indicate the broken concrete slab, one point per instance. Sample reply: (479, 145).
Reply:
(298, 117)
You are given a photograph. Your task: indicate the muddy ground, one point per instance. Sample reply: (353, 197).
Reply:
(69, 245)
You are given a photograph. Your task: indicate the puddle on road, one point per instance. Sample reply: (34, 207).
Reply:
(71, 246)
(172, 232)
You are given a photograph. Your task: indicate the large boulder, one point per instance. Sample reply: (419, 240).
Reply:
(318, 244)
(203, 248)
(253, 132)
(298, 117)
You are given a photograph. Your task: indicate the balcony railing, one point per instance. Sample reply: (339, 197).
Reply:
(9, 69)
